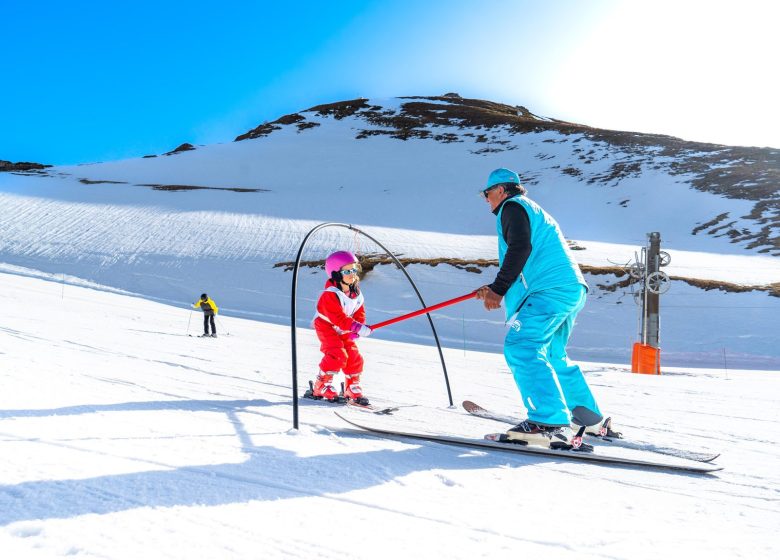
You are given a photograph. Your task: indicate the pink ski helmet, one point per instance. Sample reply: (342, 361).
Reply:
(337, 260)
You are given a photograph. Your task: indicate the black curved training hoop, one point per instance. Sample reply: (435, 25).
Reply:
(293, 311)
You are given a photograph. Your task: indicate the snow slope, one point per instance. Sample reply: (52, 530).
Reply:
(418, 197)
(121, 437)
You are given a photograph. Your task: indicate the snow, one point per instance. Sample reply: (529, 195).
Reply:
(123, 437)
(418, 198)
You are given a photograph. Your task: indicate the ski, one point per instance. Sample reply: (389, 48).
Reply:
(700, 456)
(341, 400)
(346, 403)
(639, 459)
(371, 408)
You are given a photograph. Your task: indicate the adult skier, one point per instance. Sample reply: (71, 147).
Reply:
(543, 290)
(209, 309)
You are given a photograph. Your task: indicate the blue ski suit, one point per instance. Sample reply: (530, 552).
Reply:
(541, 303)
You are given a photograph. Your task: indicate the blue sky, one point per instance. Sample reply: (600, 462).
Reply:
(97, 81)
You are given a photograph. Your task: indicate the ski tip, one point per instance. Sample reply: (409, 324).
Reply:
(364, 404)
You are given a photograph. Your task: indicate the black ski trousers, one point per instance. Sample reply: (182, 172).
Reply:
(206, 319)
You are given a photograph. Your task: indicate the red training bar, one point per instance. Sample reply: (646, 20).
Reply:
(421, 311)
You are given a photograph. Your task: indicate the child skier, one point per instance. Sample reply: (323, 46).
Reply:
(339, 321)
(209, 310)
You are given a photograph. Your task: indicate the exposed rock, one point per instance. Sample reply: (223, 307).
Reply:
(267, 128)
(177, 188)
(101, 182)
(342, 109)
(258, 132)
(183, 148)
(369, 261)
(734, 172)
(21, 166)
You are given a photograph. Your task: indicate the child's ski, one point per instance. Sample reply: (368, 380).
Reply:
(343, 401)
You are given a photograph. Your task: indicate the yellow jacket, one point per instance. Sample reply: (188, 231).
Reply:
(208, 306)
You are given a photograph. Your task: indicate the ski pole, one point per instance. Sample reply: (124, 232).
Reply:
(188, 322)
(424, 310)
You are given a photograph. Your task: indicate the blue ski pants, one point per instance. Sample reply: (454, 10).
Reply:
(535, 350)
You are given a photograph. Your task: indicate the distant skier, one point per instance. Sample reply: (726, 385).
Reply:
(340, 320)
(543, 290)
(209, 310)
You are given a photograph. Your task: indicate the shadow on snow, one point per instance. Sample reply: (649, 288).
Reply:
(265, 475)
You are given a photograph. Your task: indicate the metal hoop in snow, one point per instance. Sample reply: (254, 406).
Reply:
(293, 311)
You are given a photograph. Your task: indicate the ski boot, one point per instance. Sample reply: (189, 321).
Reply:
(528, 432)
(594, 424)
(352, 390)
(322, 388)
(601, 430)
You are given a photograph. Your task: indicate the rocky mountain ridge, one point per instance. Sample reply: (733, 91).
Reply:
(744, 173)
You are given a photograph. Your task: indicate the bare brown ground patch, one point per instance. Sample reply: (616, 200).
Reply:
(21, 166)
(101, 182)
(368, 262)
(174, 188)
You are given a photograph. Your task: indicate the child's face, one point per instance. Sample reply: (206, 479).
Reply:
(349, 273)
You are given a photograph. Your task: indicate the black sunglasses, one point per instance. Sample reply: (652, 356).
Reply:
(487, 190)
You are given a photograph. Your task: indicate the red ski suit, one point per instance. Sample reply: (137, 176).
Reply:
(335, 314)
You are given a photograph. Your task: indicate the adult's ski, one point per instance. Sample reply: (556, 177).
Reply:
(700, 456)
(384, 426)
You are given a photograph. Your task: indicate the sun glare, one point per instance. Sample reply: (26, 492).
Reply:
(702, 71)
